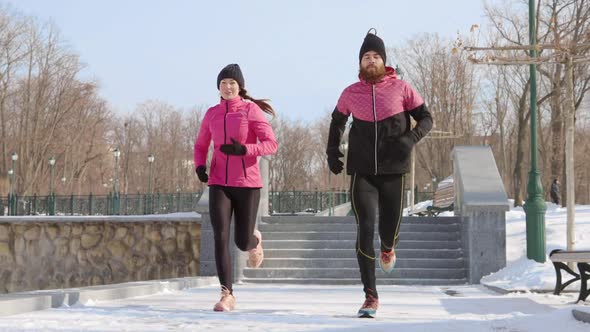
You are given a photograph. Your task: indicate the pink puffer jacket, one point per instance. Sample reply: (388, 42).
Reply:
(245, 122)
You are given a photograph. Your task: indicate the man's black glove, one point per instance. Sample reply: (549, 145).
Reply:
(202, 173)
(405, 145)
(334, 163)
(235, 148)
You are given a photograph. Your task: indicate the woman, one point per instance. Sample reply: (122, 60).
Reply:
(240, 133)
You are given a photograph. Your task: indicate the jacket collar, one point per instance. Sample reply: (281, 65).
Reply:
(231, 103)
(390, 75)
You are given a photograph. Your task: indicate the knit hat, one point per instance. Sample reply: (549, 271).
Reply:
(231, 71)
(373, 43)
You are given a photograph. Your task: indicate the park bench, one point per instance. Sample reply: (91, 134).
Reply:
(443, 200)
(582, 258)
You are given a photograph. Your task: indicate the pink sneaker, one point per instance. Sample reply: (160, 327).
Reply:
(256, 255)
(369, 307)
(227, 301)
(387, 261)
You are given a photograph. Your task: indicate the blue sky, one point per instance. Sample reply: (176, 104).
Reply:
(300, 54)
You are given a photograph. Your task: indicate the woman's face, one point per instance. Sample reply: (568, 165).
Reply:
(229, 88)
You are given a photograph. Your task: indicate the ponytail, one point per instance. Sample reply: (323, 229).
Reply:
(262, 103)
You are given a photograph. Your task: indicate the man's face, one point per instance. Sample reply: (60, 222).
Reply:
(372, 66)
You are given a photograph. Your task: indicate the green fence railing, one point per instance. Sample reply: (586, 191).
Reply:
(120, 204)
(291, 202)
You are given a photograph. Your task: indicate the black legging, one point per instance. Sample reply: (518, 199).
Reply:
(222, 202)
(372, 193)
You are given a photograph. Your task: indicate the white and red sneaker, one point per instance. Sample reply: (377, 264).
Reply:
(387, 261)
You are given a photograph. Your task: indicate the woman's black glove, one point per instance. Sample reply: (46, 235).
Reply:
(202, 173)
(334, 163)
(235, 148)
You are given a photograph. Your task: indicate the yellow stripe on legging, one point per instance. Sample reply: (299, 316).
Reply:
(399, 217)
(356, 218)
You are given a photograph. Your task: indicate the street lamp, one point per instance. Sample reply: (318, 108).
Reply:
(149, 203)
(12, 200)
(14, 159)
(116, 154)
(150, 161)
(535, 206)
(10, 173)
(50, 198)
(51, 164)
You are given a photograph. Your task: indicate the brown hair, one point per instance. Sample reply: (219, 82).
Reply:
(262, 103)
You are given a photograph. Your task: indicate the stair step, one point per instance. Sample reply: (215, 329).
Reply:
(343, 244)
(412, 273)
(356, 281)
(312, 235)
(350, 253)
(350, 227)
(352, 263)
(351, 220)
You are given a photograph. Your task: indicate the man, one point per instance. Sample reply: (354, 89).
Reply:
(380, 144)
(555, 194)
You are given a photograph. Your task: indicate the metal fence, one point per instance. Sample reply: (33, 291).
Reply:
(122, 204)
(305, 201)
(161, 203)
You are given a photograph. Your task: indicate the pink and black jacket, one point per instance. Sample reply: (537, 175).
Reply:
(245, 122)
(380, 138)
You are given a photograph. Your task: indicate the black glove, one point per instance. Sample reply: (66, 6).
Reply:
(336, 166)
(202, 173)
(405, 145)
(235, 148)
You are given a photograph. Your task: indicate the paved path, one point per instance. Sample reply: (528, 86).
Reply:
(313, 308)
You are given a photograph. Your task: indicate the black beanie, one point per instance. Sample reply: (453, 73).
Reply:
(231, 71)
(373, 43)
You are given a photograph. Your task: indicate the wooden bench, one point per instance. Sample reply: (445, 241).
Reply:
(582, 258)
(444, 199)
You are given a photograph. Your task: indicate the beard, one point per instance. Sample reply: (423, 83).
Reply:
(372, 73)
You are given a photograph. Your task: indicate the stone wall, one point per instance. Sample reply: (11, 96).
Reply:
(65, 252)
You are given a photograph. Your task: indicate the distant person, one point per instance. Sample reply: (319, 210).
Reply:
(555, 193)
(240, 133)
(380, 143)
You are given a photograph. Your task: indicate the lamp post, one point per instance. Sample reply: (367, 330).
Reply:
(151, 159)
(116, 154)
(12, 200)
(10, 193)
(51, 198)
(534, 206)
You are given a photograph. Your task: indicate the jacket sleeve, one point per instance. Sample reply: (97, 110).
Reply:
(202, 142)
(337, 126)
(267, 143)
(423, 122)
(414, 104)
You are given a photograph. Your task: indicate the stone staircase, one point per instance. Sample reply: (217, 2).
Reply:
(320, 250)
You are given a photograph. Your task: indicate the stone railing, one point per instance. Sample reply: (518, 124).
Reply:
(481, 201)
(64, 252)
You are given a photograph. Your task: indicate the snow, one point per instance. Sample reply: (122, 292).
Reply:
(524, 274)
(332, 308)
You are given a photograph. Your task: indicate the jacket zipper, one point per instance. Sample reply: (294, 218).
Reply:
(225, 140)
(375, 122)
(244, 168)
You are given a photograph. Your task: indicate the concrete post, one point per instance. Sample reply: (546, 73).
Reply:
(481, 200)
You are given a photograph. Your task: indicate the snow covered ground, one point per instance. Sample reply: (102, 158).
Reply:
(333, 308)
